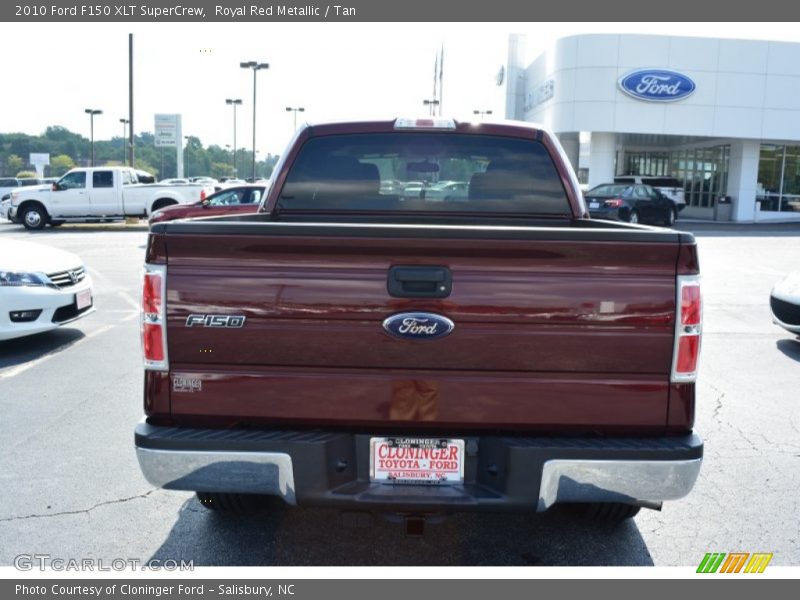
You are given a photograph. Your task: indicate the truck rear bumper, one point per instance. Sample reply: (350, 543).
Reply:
(501, 472)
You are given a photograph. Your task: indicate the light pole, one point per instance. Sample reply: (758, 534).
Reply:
(124, 140)
(228, 148)
(92, 112)
(256, 67)
(295, 111)
(481, 113)
(234, 102)
(186, 137)
(431, 104)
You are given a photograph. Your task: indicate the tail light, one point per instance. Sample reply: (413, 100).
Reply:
(202, 195)
(688, 329)
(615, 203)
(154, 326)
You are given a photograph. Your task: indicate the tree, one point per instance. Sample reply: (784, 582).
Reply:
(14, 164)
(143, 165)
(220, 169)
(61, 164)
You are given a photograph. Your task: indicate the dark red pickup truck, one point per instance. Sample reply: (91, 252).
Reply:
(370, 340)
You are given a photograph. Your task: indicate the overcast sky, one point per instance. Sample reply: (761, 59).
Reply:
(52, 72)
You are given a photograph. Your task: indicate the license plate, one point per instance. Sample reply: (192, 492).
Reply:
(416, 460)
(83, 299)
(594, 205)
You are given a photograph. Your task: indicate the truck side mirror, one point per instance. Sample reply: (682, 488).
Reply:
(55, 186)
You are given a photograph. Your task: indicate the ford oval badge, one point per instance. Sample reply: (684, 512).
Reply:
(656, 85)
(418, 326)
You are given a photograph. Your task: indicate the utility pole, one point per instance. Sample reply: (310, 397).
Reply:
(124, 140)
(256, 67)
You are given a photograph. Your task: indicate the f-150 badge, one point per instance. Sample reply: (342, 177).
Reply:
(229, 321)
(418, 326)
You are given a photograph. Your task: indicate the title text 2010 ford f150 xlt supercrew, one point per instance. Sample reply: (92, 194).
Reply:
(367, 342)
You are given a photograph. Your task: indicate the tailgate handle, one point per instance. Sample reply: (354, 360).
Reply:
(419, 282)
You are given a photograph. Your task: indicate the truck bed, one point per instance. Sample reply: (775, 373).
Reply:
(563, 326)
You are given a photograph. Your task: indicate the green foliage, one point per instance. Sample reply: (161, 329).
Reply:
(61, 164)
(25, 174)
(64, 146)
(219, 169)
(13, 164)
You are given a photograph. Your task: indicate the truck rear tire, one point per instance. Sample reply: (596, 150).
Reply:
(34, 217)
(238, 504)
(606, 512)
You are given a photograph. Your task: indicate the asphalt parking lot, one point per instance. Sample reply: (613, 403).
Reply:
(70, 486)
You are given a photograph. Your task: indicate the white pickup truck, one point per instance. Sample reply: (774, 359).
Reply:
(94, 194)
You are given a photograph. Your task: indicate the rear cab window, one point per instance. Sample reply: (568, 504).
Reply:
(609, 190)
(103, 179)
(424, 172)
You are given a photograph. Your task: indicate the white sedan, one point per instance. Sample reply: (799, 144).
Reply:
(785, 303)
(41, 288)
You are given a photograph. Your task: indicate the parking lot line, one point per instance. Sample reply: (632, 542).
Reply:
(14, 371)
(121, 293)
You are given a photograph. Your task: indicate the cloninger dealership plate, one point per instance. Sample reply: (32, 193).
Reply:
(416, 460)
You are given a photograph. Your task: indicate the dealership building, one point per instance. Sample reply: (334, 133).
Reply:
(722, 116)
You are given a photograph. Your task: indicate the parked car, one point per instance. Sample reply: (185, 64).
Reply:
(448, 191)
(353, 349)
(41, 288)
(671, 187)
(235, 200)
(95, 194)
(8, 185)
(204, 179)
(785, 303)
(631, 203)
(5, 205)
(413, 189)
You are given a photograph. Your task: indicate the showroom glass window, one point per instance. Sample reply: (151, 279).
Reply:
(702, 172)
(779, 178)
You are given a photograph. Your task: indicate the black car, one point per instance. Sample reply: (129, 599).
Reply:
(636, 203)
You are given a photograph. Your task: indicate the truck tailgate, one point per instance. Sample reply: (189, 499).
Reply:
(554, 329)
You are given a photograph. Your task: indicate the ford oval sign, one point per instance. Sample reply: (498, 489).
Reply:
(655, 85)
(418, 326)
